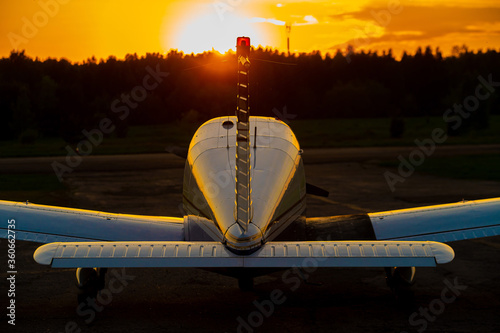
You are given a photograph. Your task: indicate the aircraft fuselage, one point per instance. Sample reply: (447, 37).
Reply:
(277, 187)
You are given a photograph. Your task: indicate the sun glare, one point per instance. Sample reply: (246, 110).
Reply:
(209, 31)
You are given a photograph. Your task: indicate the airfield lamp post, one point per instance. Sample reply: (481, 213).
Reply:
(288, 28)
(243, 201)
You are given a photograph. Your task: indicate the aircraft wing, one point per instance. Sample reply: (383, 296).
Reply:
(45, 224)
(83, 238)
(272, 254)
(440, 223)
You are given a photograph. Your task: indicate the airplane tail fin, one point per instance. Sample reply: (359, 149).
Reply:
(243, 202)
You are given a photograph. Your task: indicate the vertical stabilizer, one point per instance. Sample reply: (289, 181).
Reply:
(243, 203)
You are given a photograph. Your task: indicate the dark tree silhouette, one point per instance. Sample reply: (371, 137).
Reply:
(52, 97)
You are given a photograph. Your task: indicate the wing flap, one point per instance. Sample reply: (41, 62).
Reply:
(273, 254)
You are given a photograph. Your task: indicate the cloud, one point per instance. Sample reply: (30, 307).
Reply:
(309, 19)
(266, 20)
(430, 21)
(306, 20)
(421, 24)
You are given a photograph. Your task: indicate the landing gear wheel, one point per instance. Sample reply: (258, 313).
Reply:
(90, 281)
(400, 280)
(245, 283)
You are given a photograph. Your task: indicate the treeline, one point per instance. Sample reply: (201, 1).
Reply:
(55, 98)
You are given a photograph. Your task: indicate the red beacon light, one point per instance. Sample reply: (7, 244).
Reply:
(243, 41)
(243, 47)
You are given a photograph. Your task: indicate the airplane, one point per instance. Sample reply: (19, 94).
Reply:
(244, 194)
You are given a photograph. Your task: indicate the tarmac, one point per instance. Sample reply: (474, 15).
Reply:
(462, 296)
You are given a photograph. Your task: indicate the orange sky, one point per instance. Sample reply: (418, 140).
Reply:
(79, 29)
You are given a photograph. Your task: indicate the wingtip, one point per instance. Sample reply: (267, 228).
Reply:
(45, 253)
(442, 252)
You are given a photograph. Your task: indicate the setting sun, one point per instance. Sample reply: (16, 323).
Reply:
(78, 30)
(207, 30)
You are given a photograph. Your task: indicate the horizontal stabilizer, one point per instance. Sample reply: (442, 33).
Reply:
(273, 254)
(315, 190)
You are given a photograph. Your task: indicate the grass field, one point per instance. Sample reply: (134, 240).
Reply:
(485, 167)
(480, 167)
(39, 188)
(310, 133)
(376, 132)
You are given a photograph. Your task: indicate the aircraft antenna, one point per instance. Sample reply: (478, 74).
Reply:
(243, 202)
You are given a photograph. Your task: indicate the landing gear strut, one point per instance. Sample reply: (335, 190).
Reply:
(90, 281)
(400, 280)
